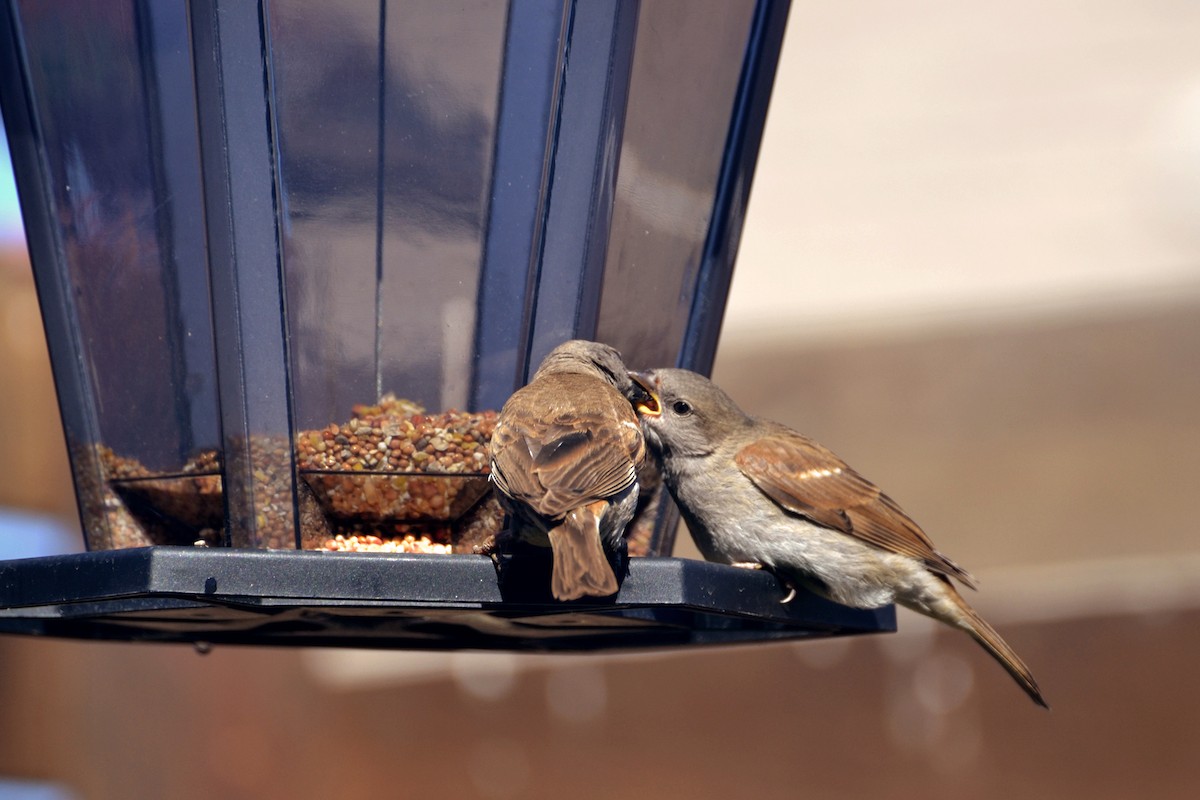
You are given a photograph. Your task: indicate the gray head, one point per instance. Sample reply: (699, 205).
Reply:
(587, 358)
(692, 415)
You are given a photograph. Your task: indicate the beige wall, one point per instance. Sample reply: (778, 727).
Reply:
(972, 266)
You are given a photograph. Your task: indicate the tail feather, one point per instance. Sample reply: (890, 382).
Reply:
(580, 565)
(986, 636)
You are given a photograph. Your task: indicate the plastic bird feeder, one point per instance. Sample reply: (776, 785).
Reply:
(291, 258)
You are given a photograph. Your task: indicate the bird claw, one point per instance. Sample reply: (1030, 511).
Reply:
(791, 595)
(756, 565)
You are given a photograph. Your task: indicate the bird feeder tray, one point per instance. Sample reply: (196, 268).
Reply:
(428, 602)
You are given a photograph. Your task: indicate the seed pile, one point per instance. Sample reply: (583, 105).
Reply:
(397, 436)
(107, 522)
(392, 478)
(374, 544)
(410, 480)
(137, 507)
(392, 461)
(273, 526)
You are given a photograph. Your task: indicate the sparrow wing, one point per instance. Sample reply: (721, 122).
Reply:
(562, 446)
(807, 478)
(512, 470)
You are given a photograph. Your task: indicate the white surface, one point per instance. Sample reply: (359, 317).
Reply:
(926, 162)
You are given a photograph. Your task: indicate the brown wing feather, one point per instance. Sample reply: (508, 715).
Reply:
(564, 444)
(808, 479)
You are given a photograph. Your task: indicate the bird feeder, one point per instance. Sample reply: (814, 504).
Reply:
(291, 258)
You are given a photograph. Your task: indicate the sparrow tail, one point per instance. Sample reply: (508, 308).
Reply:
(580, 565)
(999, 649)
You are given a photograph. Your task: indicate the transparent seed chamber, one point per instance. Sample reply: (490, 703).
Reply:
(293, 256)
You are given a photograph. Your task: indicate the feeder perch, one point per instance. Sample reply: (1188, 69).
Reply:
(291, 258)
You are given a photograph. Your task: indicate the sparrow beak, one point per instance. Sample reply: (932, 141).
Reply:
(645, 401)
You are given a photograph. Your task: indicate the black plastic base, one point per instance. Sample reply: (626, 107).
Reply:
(185, 594)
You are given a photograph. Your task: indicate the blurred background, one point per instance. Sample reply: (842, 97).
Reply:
(971, 266)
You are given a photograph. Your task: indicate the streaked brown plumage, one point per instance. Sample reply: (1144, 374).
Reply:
(565, 455)
(756, 493)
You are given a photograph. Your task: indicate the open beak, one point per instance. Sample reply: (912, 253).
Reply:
(645, 401)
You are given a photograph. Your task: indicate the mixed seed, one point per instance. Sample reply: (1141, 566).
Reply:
(392, 478)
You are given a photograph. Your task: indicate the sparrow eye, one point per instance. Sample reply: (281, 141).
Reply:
(681, 407)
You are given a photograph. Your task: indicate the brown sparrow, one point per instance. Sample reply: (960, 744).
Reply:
(757, 494)
(565, 456)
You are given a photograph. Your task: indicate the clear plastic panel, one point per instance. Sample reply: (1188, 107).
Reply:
(386, 118)
(308, 249)
(681, 97)
(385, 148)
(112, 90)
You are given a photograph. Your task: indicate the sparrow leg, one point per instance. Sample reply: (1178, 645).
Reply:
(498, 545)
(791, 595)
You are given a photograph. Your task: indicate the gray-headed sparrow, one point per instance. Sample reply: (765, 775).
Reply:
(756, 493)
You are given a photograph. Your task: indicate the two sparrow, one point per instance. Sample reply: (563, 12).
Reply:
(754, 493)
